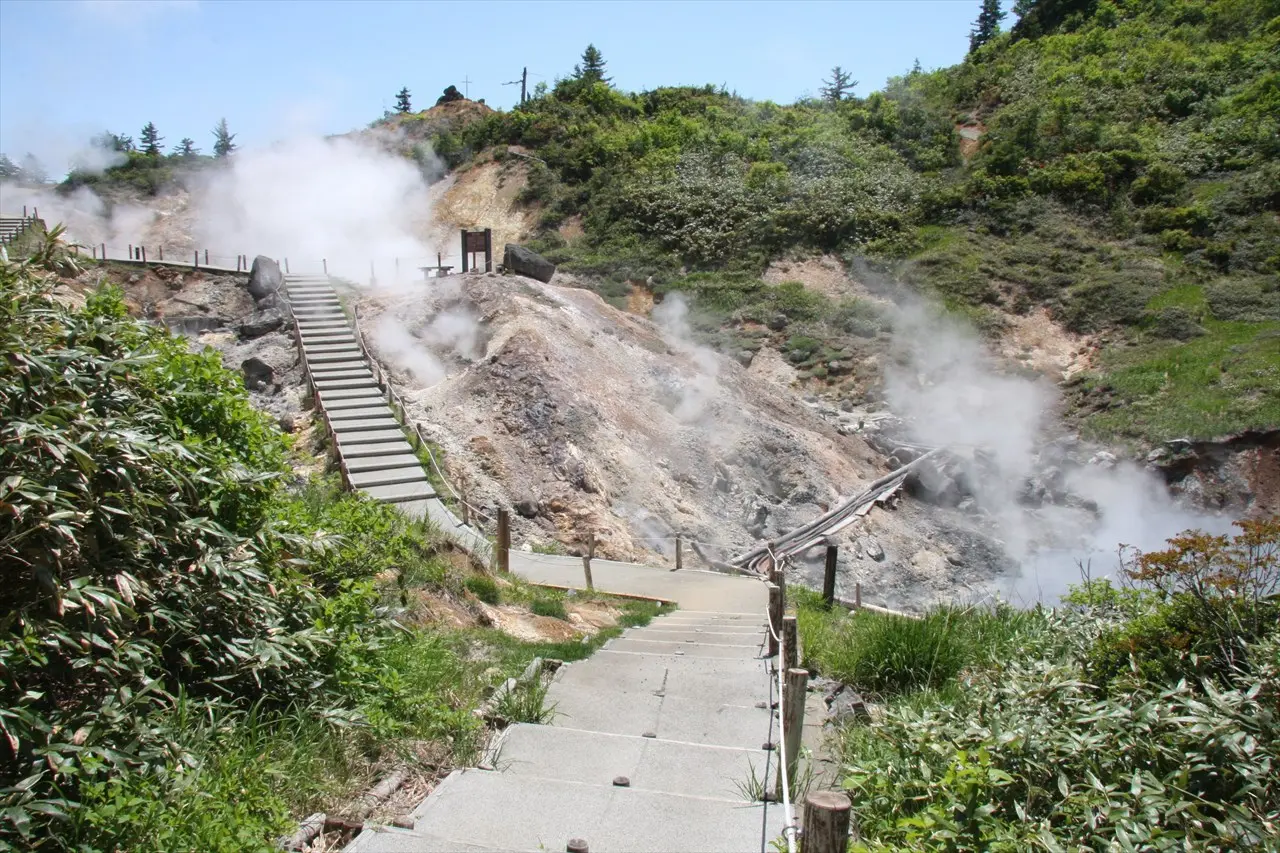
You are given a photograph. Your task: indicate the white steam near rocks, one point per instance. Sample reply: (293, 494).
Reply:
(952, 394)
(697, 393)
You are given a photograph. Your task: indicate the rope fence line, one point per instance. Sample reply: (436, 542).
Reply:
(788, 812)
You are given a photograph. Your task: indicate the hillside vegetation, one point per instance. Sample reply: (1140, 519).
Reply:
(1125, 179)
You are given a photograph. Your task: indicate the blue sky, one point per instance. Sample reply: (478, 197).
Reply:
(71, 68)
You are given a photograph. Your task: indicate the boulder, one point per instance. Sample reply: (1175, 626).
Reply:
(519, 260)
(526, 507)
(264, 278)
(258, 375)
(260, 323)
(871, 548)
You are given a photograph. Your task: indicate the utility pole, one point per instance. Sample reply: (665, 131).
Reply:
(523, 81)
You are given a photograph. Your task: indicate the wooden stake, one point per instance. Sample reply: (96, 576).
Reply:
(206, 257)
(679, 554)
(775, 617)
(793, 695)
(790, 642)
(162, 253)
(826, 822)
(586, 559)
(196, 262)
(829, 577)
(325, 263)
(504, 541)
(857, 596)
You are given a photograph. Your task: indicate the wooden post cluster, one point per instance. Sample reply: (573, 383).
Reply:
(586, 559)
(794, 689)
(504, 541)
(826, 822)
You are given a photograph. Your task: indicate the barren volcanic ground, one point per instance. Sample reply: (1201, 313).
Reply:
(588, 419)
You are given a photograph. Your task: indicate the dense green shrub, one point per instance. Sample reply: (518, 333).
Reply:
(482, 587)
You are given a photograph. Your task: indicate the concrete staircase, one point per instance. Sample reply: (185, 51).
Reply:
(373, 453)
(12, 226)
(653, 746)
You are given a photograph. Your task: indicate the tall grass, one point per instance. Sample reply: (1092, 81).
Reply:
(896, 654)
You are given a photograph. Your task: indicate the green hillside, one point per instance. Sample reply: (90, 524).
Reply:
(1125, 177)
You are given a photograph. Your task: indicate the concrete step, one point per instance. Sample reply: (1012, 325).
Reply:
(339, 336)
(712, 633)
(354, 402)
(386, 839)
(321, 348)
(351, 354)
(347, 394)
(403, 475)
(338, 416)
(651, 764)
(514, 813)
(682, 648)
(380, 463)
(343, 373)
(318, 312)
(354, 451)
(327, 367)
(366, 424)
(400, 492)
(379, 436)
(367, 385)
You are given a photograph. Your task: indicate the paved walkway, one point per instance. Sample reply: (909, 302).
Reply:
(678, 710)
(373, 453)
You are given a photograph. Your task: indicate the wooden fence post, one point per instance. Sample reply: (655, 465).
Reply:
(790, 642)
(504, 541)
(104, 251)
(206, 257)
(829, 577)
(162, 253)
(325, 262)
(586, 559)
(679, 554)
(286, 266)
(826, 822)
(196, 262)
(775, 617)
(793, 695)
(144, 254)
(857, 596)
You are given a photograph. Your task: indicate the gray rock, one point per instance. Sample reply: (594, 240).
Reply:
(258, 375)
(844, 705)
(260, 323)
(287, 422)
(1103, 459)
(519, 260)
(744, 357)
(871, 548)
(526, 507)
(1157, 455)
(264, 278)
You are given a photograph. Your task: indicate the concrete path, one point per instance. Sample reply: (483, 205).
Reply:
(654, 742)
(373, 453)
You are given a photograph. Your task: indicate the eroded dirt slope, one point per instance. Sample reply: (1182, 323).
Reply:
(588, 419)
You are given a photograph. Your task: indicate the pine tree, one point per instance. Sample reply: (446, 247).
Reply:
(402, 101)
(187, 148)
(222, 140)
(987, 26)
(592, 68)
(151, 139)
(840, 86)
(8, 168)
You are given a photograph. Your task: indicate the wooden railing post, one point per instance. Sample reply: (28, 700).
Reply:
(775, 617)
(504, 541)
(790, 642)
(679, 554)
(829, 577)
(586, 559)
(793, 696)
(826, 822)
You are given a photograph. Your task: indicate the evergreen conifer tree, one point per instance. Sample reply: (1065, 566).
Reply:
(839, 87)
(592, 68)
(187, 148)
(987, 26)
(151, 139)
(222, 139)
(402, 101)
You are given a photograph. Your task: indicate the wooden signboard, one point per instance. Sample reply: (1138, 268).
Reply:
(475, 242)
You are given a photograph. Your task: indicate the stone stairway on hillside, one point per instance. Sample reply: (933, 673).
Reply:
(653, 746)
(373, 452)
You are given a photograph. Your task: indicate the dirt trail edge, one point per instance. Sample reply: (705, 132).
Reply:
(655, 741)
